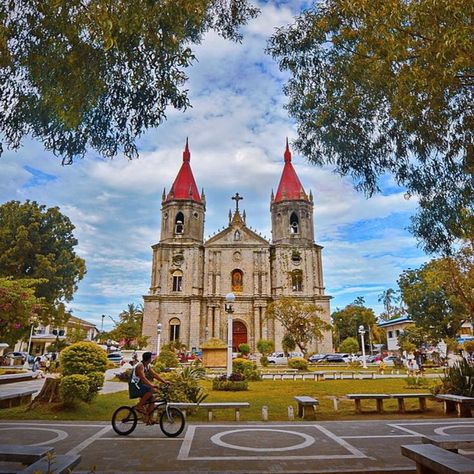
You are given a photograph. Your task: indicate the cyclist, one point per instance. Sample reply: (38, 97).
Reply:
(140, 385)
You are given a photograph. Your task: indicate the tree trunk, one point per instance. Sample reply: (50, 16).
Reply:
(49, 393)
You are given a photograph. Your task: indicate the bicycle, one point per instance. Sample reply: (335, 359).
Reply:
(172, 420)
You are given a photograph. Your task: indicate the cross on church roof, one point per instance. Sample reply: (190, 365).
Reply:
(237, 198)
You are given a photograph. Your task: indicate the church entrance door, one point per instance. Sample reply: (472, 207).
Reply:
(239, 335)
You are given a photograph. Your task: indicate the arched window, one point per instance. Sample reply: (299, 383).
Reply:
(237, 235)
(237, 280)
(175, 324)
(294, 224)
(179, 223)
(177, 280)
(297, 280)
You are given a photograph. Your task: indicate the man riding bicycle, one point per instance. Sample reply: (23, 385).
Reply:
(140, 385)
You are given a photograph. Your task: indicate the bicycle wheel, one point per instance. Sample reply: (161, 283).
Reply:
(172, 422)
(124, 420)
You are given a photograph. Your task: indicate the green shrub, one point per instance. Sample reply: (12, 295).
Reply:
(158, 366)
(83, 358)
(417, 382)
(96, 381)
(247, 368)
(298, 363)
(244, 349)
(185, 384)
(230, 385)
(168, 358)
(458, 380)
(264, 361)
(73, 388)
(355, 364)
(349, 344)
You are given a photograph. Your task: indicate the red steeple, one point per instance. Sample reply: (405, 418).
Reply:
(290, 187)
(184, 186)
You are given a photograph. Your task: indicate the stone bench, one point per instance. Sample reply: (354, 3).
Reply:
(57, 464)
(21, 377)
(16, 398)
(378, 397)
(452, 442)
(431, 459)
(306, 407)
(22, 454)
(213, 406)
(400, 397)
(456, 403)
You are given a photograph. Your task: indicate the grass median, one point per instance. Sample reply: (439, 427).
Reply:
(276, 395)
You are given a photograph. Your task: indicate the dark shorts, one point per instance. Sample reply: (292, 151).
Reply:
(138, 390)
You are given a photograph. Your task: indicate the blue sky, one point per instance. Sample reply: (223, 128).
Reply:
(237, 128)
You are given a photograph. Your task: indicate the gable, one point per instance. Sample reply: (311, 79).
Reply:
(244, 237)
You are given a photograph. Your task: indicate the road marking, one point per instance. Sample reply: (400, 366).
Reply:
(77, 449)
(60, 434)
(308, 440)
(441, 430)
(184, 452)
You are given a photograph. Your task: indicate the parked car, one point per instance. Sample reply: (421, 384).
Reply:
(21, 356)
(338, 358)
(393, 360)
(317, 358)
(369, 359)
(282, 358)
(115, 357)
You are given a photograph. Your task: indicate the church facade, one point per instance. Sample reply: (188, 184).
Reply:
(190, 277)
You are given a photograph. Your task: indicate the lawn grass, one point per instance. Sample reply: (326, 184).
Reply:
(276, 395)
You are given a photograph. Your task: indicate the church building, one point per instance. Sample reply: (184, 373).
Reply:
(190, 276)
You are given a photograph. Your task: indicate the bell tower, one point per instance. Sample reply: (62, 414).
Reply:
(291, 208)
(183, 209)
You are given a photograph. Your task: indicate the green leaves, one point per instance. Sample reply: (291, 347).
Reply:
(79, 75)
(383, 86)
(38, 243)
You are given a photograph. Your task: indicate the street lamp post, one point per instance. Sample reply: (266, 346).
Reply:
(229, 299)
(102, 324)
(158, 342)
(362, 332)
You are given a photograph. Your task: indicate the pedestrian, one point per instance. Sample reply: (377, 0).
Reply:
(381, 367)
(47, 366)
(37, 372)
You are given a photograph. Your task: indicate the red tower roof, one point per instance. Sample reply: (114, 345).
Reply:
(290, 187)
(184, 186)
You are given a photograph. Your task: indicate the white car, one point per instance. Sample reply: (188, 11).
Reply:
(281, 358)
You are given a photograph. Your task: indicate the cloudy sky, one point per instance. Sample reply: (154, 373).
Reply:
(237, 128)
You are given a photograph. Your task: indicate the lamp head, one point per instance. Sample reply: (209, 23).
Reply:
(361, 328)
(159, 327)
(229, 298)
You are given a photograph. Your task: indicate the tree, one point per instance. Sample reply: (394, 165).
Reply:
(38, 243)
(414, 337)
(381, 86)
(350, 345)
(18, 308)
(390, 299)
(300, 319)
(430, 302)
(77, 74)
(129, 329)
(346, 321)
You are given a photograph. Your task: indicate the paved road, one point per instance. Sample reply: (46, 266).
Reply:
(238, 448)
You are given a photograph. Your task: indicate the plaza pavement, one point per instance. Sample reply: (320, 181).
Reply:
(237, 448)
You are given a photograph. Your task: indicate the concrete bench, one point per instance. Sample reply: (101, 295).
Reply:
(21, 453)
(378, 397)
(431, 459)
(456, 403)
(400, 397)
(21, 377)
(16, 398)
(452, 442)
(58, 464)
(306, 407)
(213, 406)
